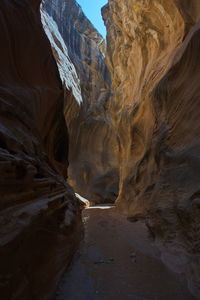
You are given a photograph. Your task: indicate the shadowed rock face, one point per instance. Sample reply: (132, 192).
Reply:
(93, 147)
(39, 215)
(153, 56)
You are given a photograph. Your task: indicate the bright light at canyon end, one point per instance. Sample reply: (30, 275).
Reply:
(102, 206)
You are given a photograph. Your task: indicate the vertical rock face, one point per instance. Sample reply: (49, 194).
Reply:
(93, 153)
(39, 216)
(84, 44)
(153, 56)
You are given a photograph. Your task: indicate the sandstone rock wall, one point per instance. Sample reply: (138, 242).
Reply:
(39, 215)
(84, 44)
(93, 153)
(153, 56)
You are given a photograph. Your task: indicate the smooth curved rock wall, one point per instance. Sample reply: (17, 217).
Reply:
(153, 56)
(39, 216)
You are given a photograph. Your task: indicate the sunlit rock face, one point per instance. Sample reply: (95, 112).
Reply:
(39, 215)
(93, 147)
(153, 56)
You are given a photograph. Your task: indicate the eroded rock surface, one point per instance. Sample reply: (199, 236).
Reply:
(153, 56)
(39, 215)
(93, 153)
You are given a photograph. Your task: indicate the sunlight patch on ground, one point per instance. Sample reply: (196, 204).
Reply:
(106, 206)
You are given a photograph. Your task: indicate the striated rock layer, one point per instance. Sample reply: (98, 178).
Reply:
(39, 215)
(153, 56)
(93, 152)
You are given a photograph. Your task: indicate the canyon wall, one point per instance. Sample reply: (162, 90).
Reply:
(93, 148)
(153, 56)
(39, 215)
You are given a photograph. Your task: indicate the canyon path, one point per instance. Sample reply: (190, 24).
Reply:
(118, 261)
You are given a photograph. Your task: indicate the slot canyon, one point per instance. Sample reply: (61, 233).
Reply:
(100, 151)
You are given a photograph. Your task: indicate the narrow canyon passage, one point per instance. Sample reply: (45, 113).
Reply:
(118, 261)
(115, 121)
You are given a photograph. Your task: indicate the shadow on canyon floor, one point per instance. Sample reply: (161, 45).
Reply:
(118, 261)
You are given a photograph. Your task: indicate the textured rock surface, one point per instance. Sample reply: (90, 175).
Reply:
(84, 44)
(153, 56)
(39, 216)
(93, 169)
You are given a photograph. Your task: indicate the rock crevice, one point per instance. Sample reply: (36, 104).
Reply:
(93, 160)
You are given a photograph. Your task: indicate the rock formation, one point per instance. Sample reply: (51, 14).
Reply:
(93, 153)
(153, 57)
(39, 216)
(141, 135)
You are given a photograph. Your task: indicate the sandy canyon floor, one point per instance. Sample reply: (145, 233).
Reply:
(118, 261)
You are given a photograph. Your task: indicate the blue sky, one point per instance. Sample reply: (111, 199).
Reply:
(92, 9)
